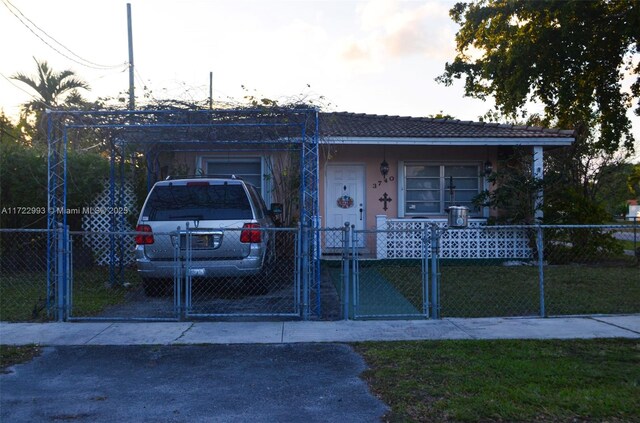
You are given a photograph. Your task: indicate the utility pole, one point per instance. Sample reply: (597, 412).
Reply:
(132, 101)
(210, 90)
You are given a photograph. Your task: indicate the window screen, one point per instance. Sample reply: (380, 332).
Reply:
(427, 187)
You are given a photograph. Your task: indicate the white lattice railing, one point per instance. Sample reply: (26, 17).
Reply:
(103, 217)
(404, 238)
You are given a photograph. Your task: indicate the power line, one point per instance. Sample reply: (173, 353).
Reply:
(88, 63)
(24, 91)
(123, 69)
(141, 80)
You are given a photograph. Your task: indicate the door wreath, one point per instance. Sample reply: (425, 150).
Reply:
(345, 202)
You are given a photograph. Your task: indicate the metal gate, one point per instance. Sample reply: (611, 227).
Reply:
(260, 278)
(392, 288)
(193, 285)
(113, 289)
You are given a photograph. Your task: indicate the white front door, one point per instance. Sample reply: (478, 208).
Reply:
(344, 199)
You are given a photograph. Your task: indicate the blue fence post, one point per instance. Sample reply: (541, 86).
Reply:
(69, 289)
(540, 248)
(297, 264)
(425, 272)
(62, 271)
(112, 217)
(303, 265)
(435, 295)
(346, 280)
(635, 236)
(59, 277)
(177, 277)
(188, 306)
(297, 270)
(355, 272)
(315, 260)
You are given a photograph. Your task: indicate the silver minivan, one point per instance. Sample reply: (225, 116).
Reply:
(226, 219)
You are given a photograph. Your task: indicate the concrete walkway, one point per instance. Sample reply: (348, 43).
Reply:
(185, 333)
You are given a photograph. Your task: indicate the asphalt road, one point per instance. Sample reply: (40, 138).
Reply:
(223, 383)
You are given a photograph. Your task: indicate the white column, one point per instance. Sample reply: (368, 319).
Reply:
(538, 173)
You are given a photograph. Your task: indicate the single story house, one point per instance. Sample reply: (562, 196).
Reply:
(388, 172)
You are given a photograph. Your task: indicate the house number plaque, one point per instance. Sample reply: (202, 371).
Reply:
(379, 183)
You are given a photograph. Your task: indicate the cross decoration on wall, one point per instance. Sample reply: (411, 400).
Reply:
(385, 199)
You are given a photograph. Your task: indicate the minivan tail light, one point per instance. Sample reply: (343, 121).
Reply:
(144, 239)
(250, 233)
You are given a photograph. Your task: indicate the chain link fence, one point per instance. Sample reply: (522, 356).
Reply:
(105, 282)
(389, 288)
(431, 272)
(497, 271)
(23, 275)
(226, 272)
(334, 271)
(592, 270)
(498, 283)
(257, 277)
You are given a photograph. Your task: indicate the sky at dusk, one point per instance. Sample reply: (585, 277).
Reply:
(373, 56)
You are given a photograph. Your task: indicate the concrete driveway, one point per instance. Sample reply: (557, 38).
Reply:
(221, 383)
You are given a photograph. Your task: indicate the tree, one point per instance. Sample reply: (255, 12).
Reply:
(569, 56)
(633, 182)
(54, 90)
(441, 115)
(515, 189)
(23, 184)
(614, 190)
(8, 131)
(52, 87)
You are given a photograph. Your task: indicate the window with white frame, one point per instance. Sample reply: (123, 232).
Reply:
(427, 187)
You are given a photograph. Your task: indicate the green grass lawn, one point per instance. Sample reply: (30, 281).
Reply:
(92, 292)
(23, 294)
(506, 380)
(628, 244)
(11, 355)
(477, 290)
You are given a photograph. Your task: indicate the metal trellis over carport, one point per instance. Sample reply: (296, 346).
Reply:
(178, 130)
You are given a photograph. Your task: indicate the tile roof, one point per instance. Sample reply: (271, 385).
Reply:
(344, 124)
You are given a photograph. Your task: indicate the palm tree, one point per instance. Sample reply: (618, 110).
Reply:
(53, 89)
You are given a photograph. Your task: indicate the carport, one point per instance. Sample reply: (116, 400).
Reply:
(151, 133)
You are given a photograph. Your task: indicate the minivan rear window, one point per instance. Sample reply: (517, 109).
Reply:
(197, 202)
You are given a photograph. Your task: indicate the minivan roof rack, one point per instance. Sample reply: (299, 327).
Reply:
(200, 175)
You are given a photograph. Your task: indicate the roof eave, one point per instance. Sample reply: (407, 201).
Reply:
(512, 141)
